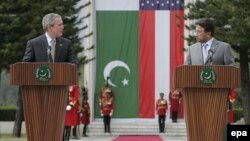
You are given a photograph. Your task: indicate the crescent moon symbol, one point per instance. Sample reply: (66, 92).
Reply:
(208, 77)
(43, 74)
(110, 66)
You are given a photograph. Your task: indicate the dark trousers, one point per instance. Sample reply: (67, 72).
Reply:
(161, 121)
(66, 133)
(174, 116)
(74, 133)
(106, 120)
(84, 130)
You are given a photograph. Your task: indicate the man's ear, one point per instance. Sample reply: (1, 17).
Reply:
(209, 33)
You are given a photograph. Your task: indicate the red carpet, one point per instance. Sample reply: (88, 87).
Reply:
(138, 138)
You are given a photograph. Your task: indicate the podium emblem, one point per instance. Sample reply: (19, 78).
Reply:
(207, 76)
(43, 74)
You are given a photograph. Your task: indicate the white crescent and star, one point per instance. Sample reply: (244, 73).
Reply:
(43, 73)
(208, 76)
(110, 66)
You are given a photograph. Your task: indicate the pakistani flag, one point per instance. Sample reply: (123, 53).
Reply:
(139, 44)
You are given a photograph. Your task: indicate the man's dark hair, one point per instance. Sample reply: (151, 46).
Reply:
(207, 24)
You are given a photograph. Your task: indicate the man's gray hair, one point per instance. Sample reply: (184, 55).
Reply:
(49, 19)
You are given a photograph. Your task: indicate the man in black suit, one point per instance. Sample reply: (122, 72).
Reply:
(50, 46)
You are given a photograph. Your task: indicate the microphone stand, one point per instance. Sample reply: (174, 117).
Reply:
(49, 53)
(210, 59)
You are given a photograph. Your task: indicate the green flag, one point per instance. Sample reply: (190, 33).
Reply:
(117, 57)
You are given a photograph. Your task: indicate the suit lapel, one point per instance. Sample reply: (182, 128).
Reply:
(44, 45)
(214, 45)
(44, 41)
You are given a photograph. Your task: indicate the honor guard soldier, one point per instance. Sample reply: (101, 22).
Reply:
(161, 108)
(175, 98)
(85, 111)
(106, 110)
(71, 111)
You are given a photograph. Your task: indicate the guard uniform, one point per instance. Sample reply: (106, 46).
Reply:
(85, 119)
(106, 110)
(71, 116)
(161, 108)
(175, 98)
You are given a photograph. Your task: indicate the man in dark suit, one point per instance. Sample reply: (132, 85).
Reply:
(51, 46)
(208, 50)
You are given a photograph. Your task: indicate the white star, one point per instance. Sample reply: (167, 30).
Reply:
(125, 81)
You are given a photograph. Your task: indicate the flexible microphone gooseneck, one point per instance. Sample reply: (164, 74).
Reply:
(49, 54)
(210, 56)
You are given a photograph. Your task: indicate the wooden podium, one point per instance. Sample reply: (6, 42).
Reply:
(44, 90)
(206, 91)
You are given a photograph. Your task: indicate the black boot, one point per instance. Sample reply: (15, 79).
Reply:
(105, 127)
(64, 132)
(74, 134)
(161, 128)
(67, 133)
(175, 117)
(108, 128)
(84, 131)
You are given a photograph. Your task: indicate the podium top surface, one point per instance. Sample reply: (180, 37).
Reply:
(206, 76)
(34, 73)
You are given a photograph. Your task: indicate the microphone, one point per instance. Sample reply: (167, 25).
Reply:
(210, 56)
(49, 53)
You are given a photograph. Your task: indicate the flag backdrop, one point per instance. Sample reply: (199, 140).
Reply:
(139, 43)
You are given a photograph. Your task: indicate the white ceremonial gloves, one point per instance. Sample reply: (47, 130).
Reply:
(68, 107)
